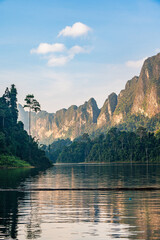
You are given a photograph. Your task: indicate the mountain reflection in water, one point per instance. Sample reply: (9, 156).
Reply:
(80, 214)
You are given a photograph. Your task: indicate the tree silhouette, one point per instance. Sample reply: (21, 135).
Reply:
(13, 103)
(33, 105)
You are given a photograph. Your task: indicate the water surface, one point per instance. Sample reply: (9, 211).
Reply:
(76, 215)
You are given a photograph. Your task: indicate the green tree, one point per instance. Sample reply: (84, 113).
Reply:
(6, 96)
(3, 107)
(33, 105)
(15, 143)
(141, 132)
(9, 104)
(13, 103)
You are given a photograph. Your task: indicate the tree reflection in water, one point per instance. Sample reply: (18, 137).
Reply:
(123, 214)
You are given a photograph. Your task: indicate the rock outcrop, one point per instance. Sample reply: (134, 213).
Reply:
(147, 92)
(71, 122)
(107, 110)
(140, 96)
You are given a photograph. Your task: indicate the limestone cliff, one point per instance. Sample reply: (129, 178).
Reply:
(65, 123)
(125, 101)
(107, 110)
(140, 96)
(147, 92)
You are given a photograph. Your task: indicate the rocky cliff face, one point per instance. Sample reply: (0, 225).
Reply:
(107, 110)
(147, 94)
(140, 96)
(71, 122)
(125, 101)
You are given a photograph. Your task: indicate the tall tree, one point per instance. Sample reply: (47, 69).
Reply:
(6, 96)
(3, 108)
(13, 103)
(33, 105)
(8, 106)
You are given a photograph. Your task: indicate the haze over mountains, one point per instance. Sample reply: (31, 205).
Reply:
(140, 98)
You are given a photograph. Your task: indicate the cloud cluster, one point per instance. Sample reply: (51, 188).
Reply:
(76, 30)
(45, 48)
(57, 53)
(59, 61)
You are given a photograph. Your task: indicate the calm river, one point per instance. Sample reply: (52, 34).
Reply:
(78, 215)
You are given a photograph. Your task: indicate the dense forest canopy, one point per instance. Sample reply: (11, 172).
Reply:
(15, 143)
(116, 146)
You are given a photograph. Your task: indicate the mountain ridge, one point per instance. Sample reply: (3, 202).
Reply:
(141, 96)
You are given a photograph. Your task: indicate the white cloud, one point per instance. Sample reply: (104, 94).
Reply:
(136, 64)
(76, 30)
(76, 50)
(62, 55)
(55, 61)
(59, 61)
(45, 48)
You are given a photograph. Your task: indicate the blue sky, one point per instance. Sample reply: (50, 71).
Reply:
(104, 45)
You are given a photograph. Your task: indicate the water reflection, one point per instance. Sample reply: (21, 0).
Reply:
(8, 214)
(81, 215)
(10, 201)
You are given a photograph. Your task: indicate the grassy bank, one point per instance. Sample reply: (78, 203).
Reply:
(7, 161)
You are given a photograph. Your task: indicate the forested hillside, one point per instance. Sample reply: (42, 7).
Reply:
(115, 146)
(16, 146)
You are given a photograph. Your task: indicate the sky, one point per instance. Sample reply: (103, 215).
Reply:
(65, 52)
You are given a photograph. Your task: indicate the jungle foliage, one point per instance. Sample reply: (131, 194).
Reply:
(115, 146)
(15, 143)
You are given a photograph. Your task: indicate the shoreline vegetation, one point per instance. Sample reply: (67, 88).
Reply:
(13, 162)
(17, 148)
(140, 147)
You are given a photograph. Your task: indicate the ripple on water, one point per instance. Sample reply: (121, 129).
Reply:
(76, 215)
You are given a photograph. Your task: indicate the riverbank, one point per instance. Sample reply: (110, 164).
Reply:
(108, 164)
(7, 161)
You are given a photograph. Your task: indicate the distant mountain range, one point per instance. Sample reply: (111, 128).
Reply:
(138, 104)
